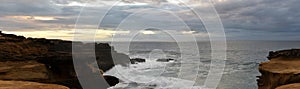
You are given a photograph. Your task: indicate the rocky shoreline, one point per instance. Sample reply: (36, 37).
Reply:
(39, 63)
(282, 71)
(50, 61)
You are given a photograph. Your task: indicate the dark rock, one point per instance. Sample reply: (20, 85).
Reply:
(137, 60)
(54, 57)
(165, 60)
(111, 80)
(292, 53)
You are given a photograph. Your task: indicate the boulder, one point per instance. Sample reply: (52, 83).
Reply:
(165, 60)
(111, 80)
(137, 60)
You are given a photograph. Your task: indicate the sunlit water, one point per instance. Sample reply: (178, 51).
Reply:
(191, 68)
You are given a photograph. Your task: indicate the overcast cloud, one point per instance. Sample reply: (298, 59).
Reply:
(242, 19)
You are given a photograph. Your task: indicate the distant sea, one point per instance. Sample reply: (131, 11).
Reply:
(191, 68)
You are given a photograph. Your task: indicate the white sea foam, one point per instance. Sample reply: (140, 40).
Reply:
(147, 74)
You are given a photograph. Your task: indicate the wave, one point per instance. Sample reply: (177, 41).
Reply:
(147, 75)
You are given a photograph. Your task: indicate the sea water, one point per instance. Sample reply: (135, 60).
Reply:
(190, 69)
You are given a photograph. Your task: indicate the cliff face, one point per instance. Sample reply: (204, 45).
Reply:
(49, 61)
(282, 69)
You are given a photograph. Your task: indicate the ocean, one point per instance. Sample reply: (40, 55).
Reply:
(192, 65)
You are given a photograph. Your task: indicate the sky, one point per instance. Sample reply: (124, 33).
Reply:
(150, 20)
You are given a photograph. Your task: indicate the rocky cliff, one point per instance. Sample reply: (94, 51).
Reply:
(282, 71)
(49, 61)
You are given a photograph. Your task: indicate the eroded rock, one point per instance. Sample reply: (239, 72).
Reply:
(137, 60)
(28, 85)
(111, 80)
(281, 70)
(23, 70)
(165, 60)
(291, 53)
(289, 86)
(51, 61)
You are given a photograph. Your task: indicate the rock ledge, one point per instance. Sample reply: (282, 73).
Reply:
(282, 69)
(28, 85)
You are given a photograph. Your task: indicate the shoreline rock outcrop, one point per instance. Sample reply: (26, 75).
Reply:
(137, 60)
(50, 60)
(28, 85)
(281, 70)
(290, 86)
(165, 60)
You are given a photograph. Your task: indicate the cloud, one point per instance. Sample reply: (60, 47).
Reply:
(188, 32)
(242, 19)
(148, 32)
(152, 29)
(30, 15)
(69, 34)
(27, 7)
(43, 18)
(267, 15)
